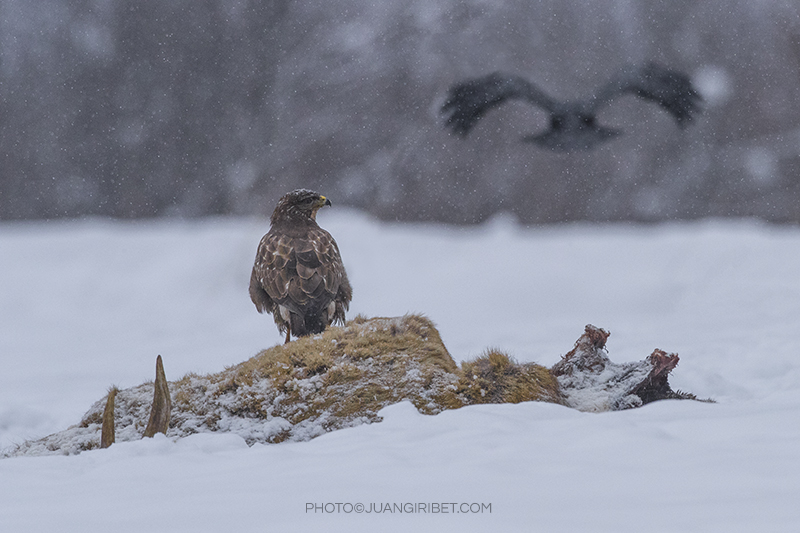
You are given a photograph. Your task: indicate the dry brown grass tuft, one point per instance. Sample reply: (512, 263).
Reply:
(494, 377)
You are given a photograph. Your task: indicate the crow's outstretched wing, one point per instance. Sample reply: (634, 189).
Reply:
(670, 89)
(468, 101)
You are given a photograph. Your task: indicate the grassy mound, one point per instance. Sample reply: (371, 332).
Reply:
(345, 376)
(340, 378)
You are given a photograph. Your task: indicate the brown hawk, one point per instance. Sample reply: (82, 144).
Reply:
(298, 274)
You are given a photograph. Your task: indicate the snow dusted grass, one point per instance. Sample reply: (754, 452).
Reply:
(86, 305)
(297, 391)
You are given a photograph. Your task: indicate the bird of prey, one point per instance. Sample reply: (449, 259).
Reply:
(573, 124)
(298, 274)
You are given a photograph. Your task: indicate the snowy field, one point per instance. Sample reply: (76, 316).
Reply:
(86, 305)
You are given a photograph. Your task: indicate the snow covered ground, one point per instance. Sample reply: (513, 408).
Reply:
(86, 305)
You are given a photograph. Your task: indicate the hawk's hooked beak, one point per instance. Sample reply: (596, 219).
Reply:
(319, 204)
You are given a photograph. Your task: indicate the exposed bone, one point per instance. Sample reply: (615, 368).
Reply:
(107, 433)
(590, 381)
(162, 404)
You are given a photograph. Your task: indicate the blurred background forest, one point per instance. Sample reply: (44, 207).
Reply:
(185, 108)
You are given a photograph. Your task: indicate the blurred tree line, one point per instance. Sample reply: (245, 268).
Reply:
(141, 108)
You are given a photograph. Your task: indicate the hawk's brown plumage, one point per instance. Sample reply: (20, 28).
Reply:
(298, 274)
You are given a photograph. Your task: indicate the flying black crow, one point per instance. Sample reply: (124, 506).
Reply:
(573, 124)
